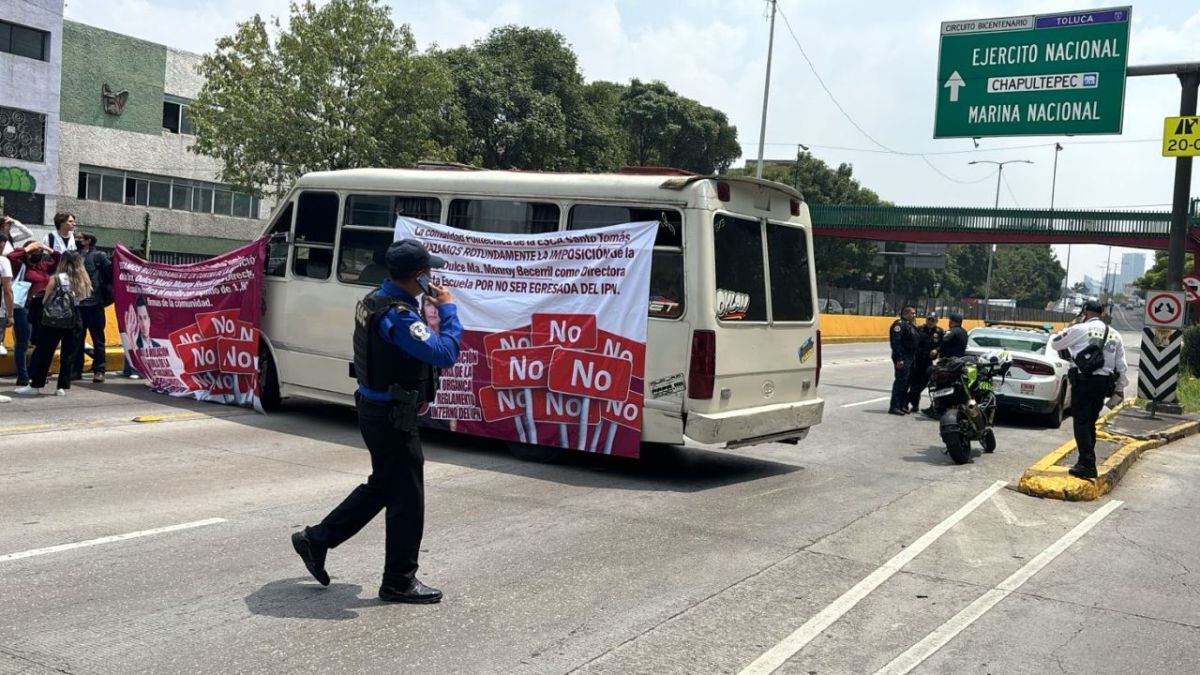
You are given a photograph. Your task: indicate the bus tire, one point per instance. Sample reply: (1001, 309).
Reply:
(535, 453)
(268, 380)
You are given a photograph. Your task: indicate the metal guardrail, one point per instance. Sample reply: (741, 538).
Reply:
(1017, 221)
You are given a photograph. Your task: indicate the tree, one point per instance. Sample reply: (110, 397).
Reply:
(666, 129)
(340, 87)
(1155, 278)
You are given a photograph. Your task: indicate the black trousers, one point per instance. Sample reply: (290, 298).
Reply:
(396, 484)
(1087, 400)
(918, 379)
(93, 324)
(43, 356)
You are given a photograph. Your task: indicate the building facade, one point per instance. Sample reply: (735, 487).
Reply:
(124, 134)
(1133, 265)
(31, 49)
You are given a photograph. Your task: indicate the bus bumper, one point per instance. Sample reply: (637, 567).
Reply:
(769, 423)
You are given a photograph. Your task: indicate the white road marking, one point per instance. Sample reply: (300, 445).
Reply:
(874, 400)
(1007, 513)
(106, 540)
(786, 649)
(917, 653)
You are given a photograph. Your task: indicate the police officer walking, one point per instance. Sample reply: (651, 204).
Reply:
(927, 352)
(396, 357)
(1099, 373)
(904, 340)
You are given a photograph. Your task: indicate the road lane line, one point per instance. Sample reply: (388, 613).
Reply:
(789, 646)
(874, 400)
(917, 653)
(110, 539)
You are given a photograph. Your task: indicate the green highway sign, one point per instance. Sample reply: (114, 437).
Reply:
(1051, 74)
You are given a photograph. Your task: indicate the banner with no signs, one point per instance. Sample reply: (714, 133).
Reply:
(554, 341)
(192, 330)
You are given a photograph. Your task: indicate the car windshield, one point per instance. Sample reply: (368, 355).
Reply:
(1013, 341)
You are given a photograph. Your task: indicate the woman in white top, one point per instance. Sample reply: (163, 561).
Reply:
(62, 238)
(72, 277)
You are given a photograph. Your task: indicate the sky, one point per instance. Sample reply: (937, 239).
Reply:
(877, 57)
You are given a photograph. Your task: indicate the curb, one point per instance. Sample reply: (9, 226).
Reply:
(1048, 480)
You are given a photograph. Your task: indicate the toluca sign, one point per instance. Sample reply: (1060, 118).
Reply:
(1033, 75)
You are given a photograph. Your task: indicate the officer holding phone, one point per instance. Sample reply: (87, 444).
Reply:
(396, 362)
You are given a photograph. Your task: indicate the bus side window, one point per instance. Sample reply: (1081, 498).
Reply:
(503, 216)
(277, 248)
(316, 226)
(666, 270)
(361, 255)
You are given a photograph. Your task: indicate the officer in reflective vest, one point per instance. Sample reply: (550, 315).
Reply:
(1089, 390)
(904, 339)
(396, 362)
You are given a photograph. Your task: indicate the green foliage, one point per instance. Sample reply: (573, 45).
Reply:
(339, 87)
(666, 129)
(1191, 350)
(1155, 278)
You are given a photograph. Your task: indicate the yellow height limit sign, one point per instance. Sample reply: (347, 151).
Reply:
(1181, 136)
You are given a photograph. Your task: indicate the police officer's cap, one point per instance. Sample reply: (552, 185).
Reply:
(1093, 306)
(932, 315)
(956, 317)
(409, 255)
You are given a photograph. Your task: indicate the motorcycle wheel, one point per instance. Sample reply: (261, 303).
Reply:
(958, 446)
(989, 440)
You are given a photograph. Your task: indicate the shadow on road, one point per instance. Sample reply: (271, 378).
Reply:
(301, 598)
(936, 454)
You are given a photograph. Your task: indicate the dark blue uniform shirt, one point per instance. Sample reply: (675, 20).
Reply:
(409, 332)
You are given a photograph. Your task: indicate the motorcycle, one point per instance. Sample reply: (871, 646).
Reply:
(962, 392)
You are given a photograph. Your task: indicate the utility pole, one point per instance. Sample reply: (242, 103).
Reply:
(987, 287)
(1053, 185)
(762, 129)
(146, 236)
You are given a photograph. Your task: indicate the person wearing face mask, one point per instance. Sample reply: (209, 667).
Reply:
(37, 263)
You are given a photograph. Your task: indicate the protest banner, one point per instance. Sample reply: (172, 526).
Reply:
(554, 332)
(192, 330)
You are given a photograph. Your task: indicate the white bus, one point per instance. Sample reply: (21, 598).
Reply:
(733, 347)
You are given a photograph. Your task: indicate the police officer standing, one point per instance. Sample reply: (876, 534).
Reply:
(1089, 390)
(904, 340)
(396, 357)
(954, 344)
(927, 352)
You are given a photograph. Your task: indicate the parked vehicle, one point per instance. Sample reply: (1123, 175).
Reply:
(829, 306)
(1037, 383)
(962, 391)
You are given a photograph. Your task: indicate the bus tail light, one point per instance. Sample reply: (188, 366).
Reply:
(817, 381)
(703, 368)
(795, 207)
(723, 191)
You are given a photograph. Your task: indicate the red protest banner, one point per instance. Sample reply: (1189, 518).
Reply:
(514, 368)
(573, 331)
(625, 413)
(244, 330)
(218, 324)
(238, 356)
(590, 375)
(509, 339)
(561, 408)
(186, 336)
(611, 344)
(501, 404)
(200, 357)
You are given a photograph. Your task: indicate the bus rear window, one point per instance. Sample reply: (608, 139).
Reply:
(741, 283)
(791, 290)
(503, 216)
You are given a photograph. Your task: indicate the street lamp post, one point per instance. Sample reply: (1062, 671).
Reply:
(987, 287)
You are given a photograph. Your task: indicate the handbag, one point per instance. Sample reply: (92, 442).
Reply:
(20, 289)
(1091, 358)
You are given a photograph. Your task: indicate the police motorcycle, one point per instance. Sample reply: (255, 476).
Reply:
(962, 392)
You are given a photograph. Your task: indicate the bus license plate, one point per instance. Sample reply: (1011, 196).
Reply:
(938, 393)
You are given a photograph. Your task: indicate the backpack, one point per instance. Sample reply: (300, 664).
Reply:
(1091, 358)
(59, 310)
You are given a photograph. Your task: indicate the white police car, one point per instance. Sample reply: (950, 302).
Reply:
(1037, 382)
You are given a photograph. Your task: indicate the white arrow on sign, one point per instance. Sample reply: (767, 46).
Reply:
(954, 83)
(1191, 286)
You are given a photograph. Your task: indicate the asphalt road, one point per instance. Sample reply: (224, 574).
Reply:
(861, 547)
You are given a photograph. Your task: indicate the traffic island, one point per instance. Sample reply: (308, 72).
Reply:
(1122, 436)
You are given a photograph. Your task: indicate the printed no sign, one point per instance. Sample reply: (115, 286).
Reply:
(1164, 309)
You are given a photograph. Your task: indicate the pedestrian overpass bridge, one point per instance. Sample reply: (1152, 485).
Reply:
(952, 225)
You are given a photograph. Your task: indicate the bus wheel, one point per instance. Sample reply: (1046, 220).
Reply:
(268, 378)
(535, 453)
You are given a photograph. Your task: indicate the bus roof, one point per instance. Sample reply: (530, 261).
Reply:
(664, 187)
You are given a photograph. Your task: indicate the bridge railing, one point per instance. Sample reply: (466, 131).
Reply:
(877, 303)
(956, 219)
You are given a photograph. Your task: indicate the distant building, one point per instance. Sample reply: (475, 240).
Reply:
(1133, 265)
(30, 56)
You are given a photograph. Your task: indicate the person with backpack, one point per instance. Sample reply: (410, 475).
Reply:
(1098, 373)
(91, 308)
(62, 239)
(33, 263)
(59, 318)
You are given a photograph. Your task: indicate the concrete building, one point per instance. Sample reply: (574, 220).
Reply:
(31, 48)
(123, 148)
(1133, 265)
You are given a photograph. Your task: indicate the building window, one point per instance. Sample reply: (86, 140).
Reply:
(164, 192)
(22, 135)
(24, 41)
(176, 118)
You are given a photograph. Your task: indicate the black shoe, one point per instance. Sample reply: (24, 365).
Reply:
(1084, 472)
(414, 593)
(897, 411)
(312, 555)
(22, 381)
